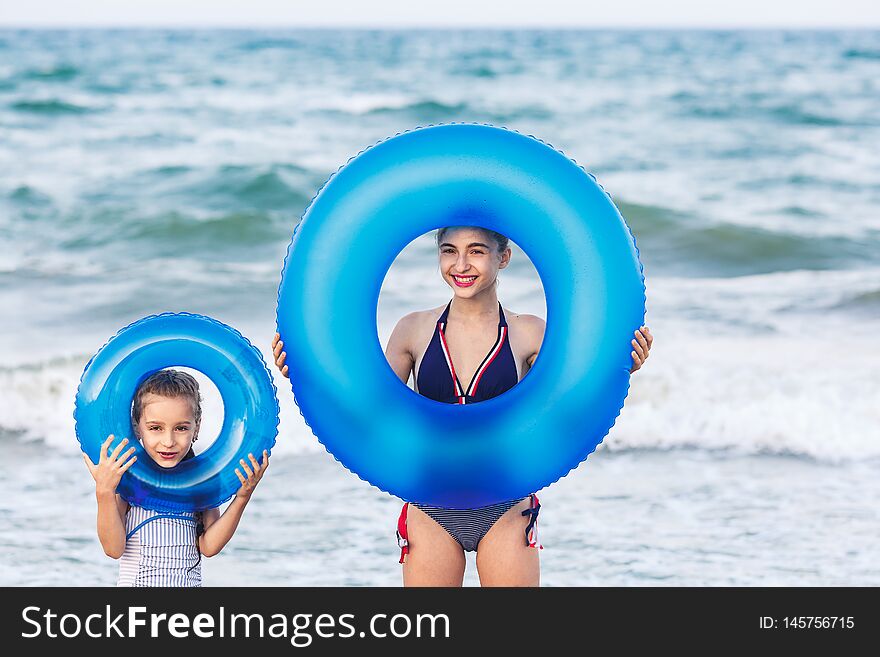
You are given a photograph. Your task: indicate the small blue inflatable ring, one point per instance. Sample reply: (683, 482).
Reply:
(414, 447)
(250, 422)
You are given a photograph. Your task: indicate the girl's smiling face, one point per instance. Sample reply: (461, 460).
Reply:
(470, 260)
(167, 428)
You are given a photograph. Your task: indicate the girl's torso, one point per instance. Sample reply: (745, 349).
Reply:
(160, 549)
(462, 364)
(471, 380)
(469, 346)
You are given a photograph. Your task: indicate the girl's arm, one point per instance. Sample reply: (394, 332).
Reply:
(398, 352)
(220, 528)
(111, 524)
(111, 507)
(535, 335)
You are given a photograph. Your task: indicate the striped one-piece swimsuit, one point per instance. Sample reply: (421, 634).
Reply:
(161, 549)
(438, 380)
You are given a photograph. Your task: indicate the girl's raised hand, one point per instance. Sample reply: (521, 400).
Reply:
(110, 467)
(641, 347)
(280, 356)
(254, 474)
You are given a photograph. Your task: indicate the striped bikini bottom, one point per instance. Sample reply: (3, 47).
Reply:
(469, 526)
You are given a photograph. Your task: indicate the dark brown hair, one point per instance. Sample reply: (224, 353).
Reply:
(167, 383)
(500, 240)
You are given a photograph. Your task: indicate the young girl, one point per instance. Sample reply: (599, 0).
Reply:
(465, 352)
(163, 549)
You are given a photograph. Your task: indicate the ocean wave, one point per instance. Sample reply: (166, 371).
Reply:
(758, 395)
(234, 229)
(861, 53)
(270, 44)
(267, 190)
(397, 106)
(277, 187)
(177, 207)
(486, 69)
(796, 115)
(57, 73)
(777, 304)
(111, 82)
(800, 211)
(30, 196)
(38, 399)
(182, 208)
(175, 231)
(793, 395)
(862, 303)
(424, 110)
(49, 107)
(836, 185)
(169, 171)
(787, 114)
(478, 71)
(677, 242)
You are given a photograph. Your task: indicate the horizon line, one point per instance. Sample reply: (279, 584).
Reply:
(419, 26)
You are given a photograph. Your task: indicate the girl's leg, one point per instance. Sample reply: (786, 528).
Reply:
(503, 556)
(435, 558)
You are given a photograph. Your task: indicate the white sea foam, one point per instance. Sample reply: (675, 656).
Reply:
(799, 390)
(38, 401)
(755, 395)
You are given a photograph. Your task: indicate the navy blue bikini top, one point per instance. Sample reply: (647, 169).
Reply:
(438, 380)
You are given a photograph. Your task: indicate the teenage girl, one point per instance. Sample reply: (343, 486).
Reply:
(465, 352)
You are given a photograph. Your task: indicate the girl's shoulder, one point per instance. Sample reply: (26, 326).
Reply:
(412, 330)
(525, 323)
(526, 333)
(418, 320)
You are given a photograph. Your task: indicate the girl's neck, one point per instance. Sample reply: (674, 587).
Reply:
(484, 303)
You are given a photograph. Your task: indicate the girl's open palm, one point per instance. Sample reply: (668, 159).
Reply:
(110, 468)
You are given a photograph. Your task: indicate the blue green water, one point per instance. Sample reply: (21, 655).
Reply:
(145, 171)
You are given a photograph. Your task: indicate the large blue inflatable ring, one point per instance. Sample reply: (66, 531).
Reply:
(228, 359)
(460, 456)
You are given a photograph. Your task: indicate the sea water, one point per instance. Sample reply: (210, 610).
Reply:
(147, 171)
